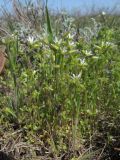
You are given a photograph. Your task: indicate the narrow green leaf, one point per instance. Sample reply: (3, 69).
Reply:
(49, 29)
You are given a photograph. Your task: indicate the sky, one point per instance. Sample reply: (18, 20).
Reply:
(82, 5)
(70, 4)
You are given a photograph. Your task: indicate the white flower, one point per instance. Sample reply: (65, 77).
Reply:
(88, 53)
(109, 44)
(71, 43)
(30, 39)
(76, 76)
(103, 13)
(82, 61)
(70, 36)
(58, 41)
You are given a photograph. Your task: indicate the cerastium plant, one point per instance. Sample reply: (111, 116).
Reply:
(12, 53)
(59, 85)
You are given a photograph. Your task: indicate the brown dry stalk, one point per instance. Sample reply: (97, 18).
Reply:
(2, 58)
